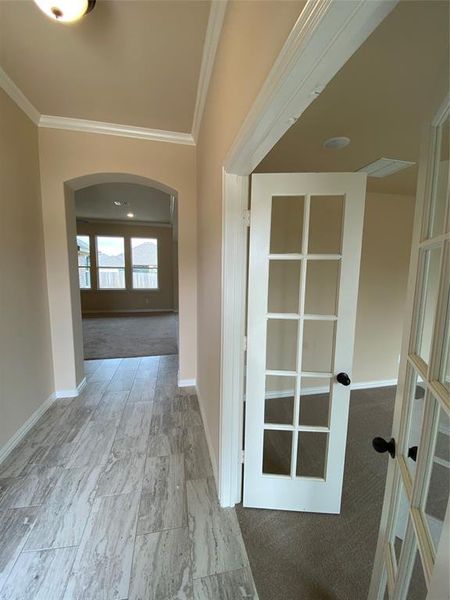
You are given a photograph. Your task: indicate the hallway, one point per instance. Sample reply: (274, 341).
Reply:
(111, 496)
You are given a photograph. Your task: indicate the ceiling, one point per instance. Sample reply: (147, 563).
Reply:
(130, 62)
(379, 99)
(148, 204)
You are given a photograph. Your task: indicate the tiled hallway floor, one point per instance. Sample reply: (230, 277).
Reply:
(111, 497)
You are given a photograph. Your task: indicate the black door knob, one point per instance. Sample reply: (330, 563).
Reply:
(412, 453)
(343, 379)
(381, 445)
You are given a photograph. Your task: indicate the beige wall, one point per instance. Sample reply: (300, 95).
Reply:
(252, 36)
(26, 374)
(385, 256)
(67, 155)
(94, 300)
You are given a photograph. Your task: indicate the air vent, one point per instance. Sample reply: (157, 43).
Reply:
(385, 166)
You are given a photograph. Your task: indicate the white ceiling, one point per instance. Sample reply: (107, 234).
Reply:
(131, 62)
(148, 204)
(380, 99)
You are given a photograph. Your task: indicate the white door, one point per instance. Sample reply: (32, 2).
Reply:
(412, 558)
(305, 247)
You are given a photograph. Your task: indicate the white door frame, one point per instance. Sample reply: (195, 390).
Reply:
(324, 37)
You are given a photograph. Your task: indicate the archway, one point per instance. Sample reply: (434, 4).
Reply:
(71, 188)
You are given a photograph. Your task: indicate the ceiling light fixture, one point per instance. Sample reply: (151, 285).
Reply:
(65, 11)
(336, 143)
(130, 215)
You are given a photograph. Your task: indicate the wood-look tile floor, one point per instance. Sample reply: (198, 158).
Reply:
(111, 496)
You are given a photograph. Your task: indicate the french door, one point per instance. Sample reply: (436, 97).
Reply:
(305, 247)
(412, 558)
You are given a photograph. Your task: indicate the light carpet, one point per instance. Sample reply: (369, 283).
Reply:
(122, 337)
(305, 556)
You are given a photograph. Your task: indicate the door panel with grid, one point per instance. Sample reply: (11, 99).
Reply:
(418, 488)
(305, 245)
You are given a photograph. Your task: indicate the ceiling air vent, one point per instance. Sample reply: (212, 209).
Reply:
(385, 166)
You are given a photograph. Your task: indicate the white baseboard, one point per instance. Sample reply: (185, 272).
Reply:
(310, 391)
(186, 382)
(22, 431)
(208, 441)
(72, 393)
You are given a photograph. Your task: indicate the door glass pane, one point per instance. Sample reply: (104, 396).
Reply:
(277, 452)
(311, 454)
(286, 228)
(325, 224)
(318, 338)
(281, 344)
(322, 282)
(279, 400)
(284, 286)
(417, 588)
(314, 401)
(416, 401)
(431, 260)
(439, 485)
(400, 521)
(440, 183)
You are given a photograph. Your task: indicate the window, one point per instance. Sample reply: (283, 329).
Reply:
(144, 260)
(110, 263)
(84, 261)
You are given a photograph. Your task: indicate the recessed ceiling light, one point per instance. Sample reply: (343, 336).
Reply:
(118, 202)
(336, 143)
(130, 215)
(65, 11)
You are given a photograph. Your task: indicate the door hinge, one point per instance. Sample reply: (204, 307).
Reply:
(246, 216)
(244, 344)
(242, 456)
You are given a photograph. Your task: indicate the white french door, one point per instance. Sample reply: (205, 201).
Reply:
(412, 558)
(305, 247)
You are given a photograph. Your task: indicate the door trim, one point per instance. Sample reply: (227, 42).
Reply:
(324, 37)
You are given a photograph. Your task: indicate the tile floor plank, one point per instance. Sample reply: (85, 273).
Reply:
(161, 567)
(39, 575)
(122, 474)
(232, 585)
(62, 519)
(217, 544)
(31, 490)
(15, 527)
(102, 565)
(196, 454)
(163, 501)
(133, 429)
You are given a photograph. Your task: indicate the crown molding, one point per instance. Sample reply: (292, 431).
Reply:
(130, 131)
(17, 96)
(212, 38)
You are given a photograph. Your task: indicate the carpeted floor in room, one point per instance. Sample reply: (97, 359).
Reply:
(127, 336)
(306, 556)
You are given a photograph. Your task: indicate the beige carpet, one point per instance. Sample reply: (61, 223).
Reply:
(121, 337)
(304, 556)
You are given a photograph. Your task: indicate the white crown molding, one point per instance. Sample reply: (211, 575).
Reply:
(143, 133)
(212, 37)
(16, 94)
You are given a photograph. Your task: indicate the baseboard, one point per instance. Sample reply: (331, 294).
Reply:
(72, 393)
(310, 391)
(208, 441)
(22, 431)
(186, 382)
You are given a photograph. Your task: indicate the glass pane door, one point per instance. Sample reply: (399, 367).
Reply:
(305, 241)
(418, 486)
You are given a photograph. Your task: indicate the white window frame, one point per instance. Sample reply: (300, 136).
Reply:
(142, 289)
(98, 267)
